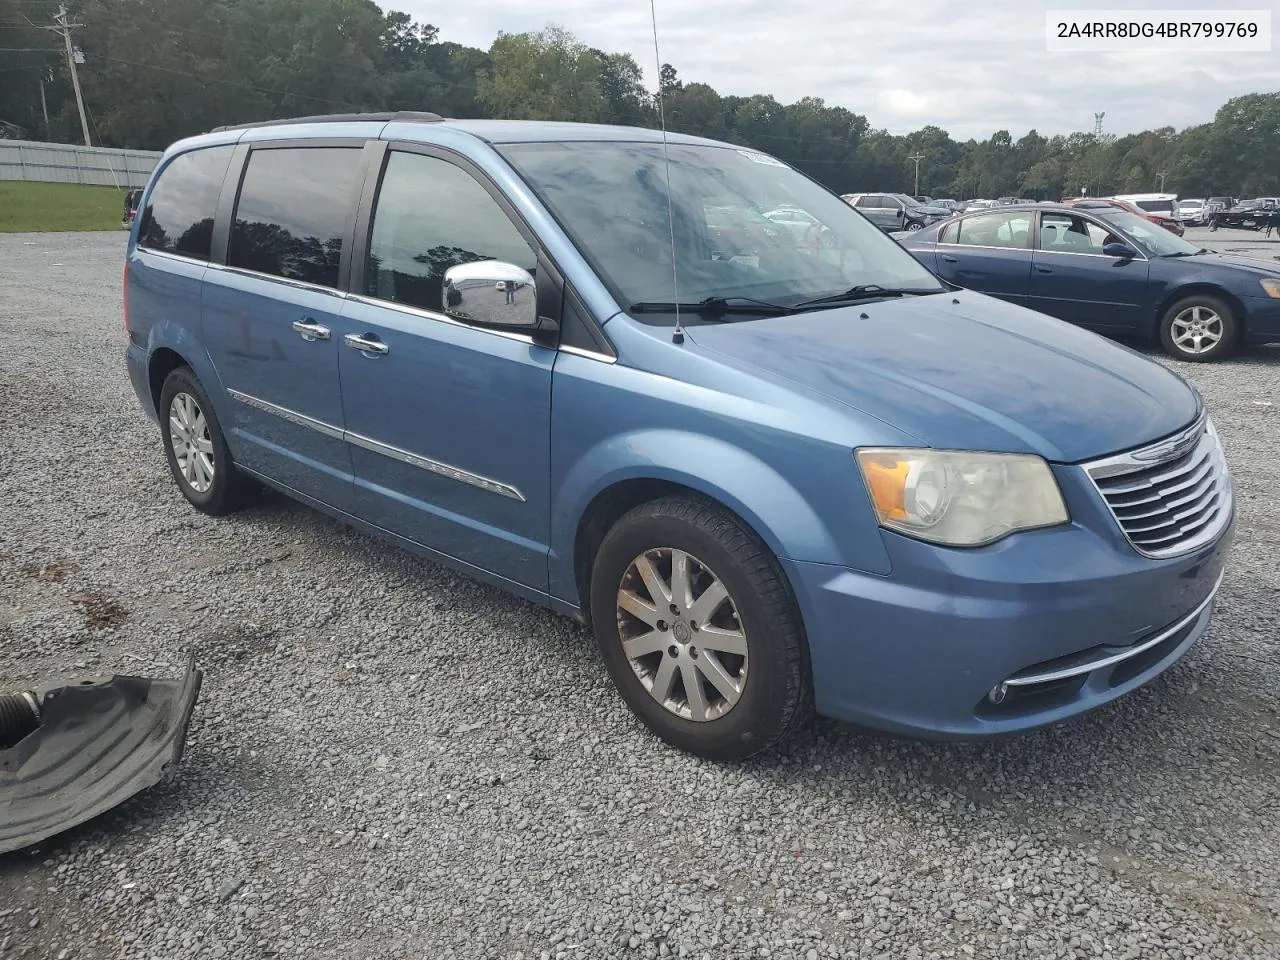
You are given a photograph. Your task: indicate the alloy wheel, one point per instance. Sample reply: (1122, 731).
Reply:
(682, 635)
(1197, 329)
(192, 445)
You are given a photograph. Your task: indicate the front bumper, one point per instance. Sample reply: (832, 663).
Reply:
(921, 651)
(1261, 319)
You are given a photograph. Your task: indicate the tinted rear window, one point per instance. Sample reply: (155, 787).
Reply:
(293, 212)
(179, 213)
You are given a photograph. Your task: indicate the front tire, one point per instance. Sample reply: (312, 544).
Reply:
(699, 630)
(196, 448)
(914, 225)
(1199, 328)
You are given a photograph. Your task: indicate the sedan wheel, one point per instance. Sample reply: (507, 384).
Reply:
(681, 633)
(1199, 328)
(914, 225)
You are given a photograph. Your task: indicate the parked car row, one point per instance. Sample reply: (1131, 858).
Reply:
(1110, 270)
(1154, 213)
(1248, 214)
(821, 475)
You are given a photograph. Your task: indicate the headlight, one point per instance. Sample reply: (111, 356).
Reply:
(958, 498)
(1272, 286)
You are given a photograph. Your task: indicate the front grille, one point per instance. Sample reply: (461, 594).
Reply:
(1172, 496)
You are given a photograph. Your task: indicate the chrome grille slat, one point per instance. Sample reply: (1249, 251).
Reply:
(1171, 497)
(1155, 479)
(1171, 519)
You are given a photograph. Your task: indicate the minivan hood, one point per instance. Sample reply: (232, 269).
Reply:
(966, 371)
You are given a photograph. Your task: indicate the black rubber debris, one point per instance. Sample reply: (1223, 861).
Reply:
(70, 753)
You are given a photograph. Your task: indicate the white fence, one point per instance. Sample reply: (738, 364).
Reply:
(68, 163)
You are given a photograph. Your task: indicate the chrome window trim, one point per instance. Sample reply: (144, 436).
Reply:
(589, 354)
(438, 317)
(377, 446)
(978, 246)
(1128, 653)
(181, 257)
(1101, 256)
(287, 281)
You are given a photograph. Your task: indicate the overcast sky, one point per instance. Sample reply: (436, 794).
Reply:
(969, 66)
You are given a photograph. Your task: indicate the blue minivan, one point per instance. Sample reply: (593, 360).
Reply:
(775, 471)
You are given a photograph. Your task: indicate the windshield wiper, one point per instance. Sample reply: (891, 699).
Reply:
(713, 306)
(863, 291)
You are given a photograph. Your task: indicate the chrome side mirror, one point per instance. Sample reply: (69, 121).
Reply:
(492, 293)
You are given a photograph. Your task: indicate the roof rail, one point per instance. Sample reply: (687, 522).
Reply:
(417, 116)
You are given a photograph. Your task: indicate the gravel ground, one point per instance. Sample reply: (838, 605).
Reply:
(390, 761)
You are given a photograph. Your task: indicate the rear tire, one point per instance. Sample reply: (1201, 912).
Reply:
(1199, 328)
(736, 599)
(196, 448)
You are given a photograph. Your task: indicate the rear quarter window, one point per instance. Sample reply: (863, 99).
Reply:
(179, 214)
(293, 212)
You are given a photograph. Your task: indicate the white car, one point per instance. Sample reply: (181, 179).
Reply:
(1190, 212)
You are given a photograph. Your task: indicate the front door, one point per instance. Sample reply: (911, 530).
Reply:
(270, 315)
(884, 211)
(449, 424)
(989, 253)
(1072, 279)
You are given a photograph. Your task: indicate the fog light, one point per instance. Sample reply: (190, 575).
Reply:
(998, 693)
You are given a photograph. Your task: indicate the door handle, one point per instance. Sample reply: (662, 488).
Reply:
(1043, 270)
(367, 343)
(311, 330)
(947, 259)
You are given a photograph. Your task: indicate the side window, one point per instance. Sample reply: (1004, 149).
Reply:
(179, 214)
(292, 212)
(893, 203)
(948, 233)
(996, 230)
(1065, 233)
(865, 202)
(432, 215)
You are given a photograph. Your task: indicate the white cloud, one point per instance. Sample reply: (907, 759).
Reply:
(969, 67)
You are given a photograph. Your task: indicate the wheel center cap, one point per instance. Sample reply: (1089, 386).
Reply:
(680, 630)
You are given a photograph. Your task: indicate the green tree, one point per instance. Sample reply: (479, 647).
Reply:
(622, 86)
(547, 75)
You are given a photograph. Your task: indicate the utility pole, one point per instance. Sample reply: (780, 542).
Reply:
(1162, 174)
(44, 108)
(63, 29)
(1097, 124)
(917, 157)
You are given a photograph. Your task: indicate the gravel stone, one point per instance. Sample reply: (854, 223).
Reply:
(391, 760)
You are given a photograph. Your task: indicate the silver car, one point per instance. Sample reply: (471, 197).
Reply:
(895, 211)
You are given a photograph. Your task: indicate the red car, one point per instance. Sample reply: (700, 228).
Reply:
(1086, 203)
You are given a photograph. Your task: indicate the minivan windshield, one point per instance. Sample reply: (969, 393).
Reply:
(746, 226)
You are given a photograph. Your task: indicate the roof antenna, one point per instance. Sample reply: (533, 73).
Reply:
(677, 335)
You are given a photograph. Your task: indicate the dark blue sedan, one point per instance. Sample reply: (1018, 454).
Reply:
(1110, 271)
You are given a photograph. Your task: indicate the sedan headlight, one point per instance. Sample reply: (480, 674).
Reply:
(1272, 286)
(958, 498)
